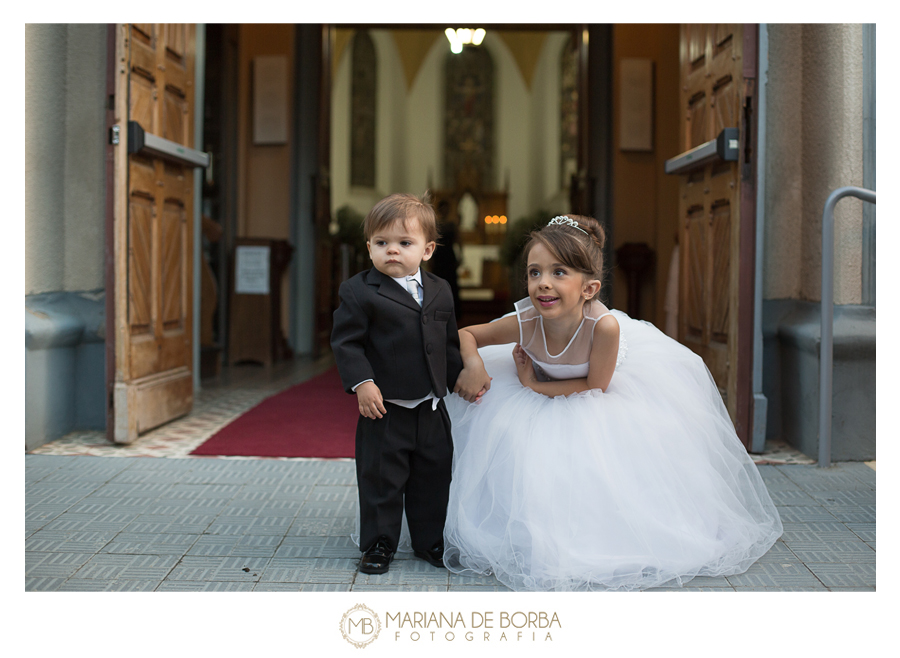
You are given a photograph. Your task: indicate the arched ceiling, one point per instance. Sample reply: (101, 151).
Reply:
(413, 47)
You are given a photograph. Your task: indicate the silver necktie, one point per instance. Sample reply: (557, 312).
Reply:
(413, 287)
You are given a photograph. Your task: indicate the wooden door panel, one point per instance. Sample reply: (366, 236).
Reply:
(154, 379)
(697, 113)
(160, 399)
(174, 116)
(142, 105)
(720, 223)
(712, 84)
(176, 41)
(140, 266)
(696, 45)
(724, 103)
(143, 31)
(695, 261)
(173, 239)
(723, 39)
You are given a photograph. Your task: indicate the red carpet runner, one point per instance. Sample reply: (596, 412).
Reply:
(312, 419)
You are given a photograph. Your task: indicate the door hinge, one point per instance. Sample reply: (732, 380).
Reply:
(114, 135)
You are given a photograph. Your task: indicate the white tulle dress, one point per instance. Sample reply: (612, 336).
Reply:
(642, 485)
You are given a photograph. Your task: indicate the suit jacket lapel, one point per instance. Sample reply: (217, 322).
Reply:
(389, 288)
(429, 289)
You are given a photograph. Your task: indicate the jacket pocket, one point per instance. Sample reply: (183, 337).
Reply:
(441, 316)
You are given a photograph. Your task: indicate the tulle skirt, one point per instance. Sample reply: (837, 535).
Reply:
(643, 485)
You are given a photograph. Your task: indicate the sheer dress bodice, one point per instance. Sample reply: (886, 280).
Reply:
(574, 360)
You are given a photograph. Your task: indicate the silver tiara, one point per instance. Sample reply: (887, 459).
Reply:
(562, 220)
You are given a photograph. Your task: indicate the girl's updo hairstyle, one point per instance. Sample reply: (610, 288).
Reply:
(581, 250)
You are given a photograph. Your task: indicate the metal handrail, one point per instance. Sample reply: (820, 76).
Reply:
(826, 349)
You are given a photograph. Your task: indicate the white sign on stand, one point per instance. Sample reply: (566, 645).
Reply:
(251, 270)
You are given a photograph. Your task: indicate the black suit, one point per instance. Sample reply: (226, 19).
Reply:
(381, 333)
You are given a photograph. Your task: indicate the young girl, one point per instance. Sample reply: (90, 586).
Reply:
(601, 455)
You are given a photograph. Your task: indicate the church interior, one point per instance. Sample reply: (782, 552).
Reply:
(496, 130)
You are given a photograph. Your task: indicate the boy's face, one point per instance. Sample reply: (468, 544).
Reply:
(397, 249)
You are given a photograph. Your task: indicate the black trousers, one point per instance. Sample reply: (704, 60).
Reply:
(405, 455)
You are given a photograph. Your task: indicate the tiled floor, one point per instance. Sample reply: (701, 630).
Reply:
(97, 523)
(105, 517)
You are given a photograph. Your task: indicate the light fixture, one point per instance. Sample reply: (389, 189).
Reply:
(464, 36)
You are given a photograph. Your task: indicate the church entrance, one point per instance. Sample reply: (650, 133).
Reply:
(310, 125)
(492, 123)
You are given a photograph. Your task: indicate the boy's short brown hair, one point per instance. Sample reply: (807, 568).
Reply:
(402, 207)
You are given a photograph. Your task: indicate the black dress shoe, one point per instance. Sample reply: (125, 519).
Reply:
(377, 559)
(434, 556)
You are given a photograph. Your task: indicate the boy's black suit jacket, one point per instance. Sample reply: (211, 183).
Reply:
(381, 333)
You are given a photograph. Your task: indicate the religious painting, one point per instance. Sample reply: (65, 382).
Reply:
(469, 134)
(568, 113)
(364, 70)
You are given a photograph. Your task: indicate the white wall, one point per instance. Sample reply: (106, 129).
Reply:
(547, 190)
(424, 147)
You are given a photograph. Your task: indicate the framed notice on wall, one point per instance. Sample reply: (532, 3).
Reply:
(636, 104)
(251, 276)
(270, 100)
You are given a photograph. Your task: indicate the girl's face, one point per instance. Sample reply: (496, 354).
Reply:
(556, 290)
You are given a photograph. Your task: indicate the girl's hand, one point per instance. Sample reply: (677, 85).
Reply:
(371, 404)
(524, 367)
(472, 383)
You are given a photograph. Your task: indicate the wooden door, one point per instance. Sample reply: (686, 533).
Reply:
(716, 210)
(152, 231)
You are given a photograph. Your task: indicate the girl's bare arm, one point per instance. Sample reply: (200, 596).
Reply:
(474, 380)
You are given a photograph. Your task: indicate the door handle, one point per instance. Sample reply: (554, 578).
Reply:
(140, 141)
(724, 147)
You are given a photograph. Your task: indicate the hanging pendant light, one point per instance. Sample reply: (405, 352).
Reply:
(464, 36)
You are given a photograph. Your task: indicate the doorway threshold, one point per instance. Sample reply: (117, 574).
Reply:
(221, 400)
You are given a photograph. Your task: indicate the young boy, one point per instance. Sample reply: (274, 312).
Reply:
(396, 345)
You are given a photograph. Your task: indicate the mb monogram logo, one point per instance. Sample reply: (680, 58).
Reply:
(360, 626)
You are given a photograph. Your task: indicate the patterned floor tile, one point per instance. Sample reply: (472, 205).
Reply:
(332, 570)
(68, 542)
(54, 565)
(139, 543)
(790, 497)
(419, 572)
(844, 575)
(277, 587)
(43, 584)
(205, 586)
(865, 531)
(283, 570)
(775, 574)
(326, 587)
(115, 566)
(215, 569)
(843, 551)
(810, 588)
(818, 531)
(398, 588)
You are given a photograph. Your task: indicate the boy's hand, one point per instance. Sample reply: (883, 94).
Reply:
(371, 404)
(472, 383)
